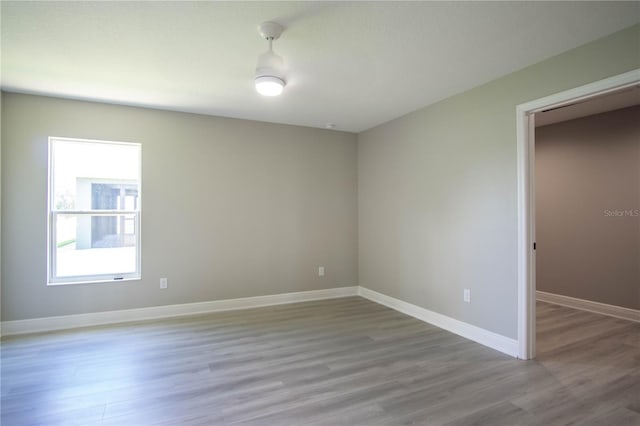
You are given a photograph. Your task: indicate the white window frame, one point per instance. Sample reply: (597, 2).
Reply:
(52, 214)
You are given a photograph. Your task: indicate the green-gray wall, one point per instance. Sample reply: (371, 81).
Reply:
(437, 189)
(230, 208)
(1, 213)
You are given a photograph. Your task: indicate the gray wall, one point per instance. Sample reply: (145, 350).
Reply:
(230, 208)
(588, 208)
(437, 189)
(1, 213)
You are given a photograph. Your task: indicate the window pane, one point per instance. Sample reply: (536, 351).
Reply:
(93, 175)
(89, 244)
(95, 202)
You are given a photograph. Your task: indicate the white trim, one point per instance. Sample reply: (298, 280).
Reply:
(589, 306)
(113, 317)
(471, 332)
(526, 215)
(526, 235)
(584, 92)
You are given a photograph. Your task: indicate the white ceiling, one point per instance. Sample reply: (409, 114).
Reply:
(355, 64)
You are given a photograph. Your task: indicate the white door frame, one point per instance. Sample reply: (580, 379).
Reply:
(525, 123)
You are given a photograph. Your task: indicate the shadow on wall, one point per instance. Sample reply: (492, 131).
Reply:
(588, 208)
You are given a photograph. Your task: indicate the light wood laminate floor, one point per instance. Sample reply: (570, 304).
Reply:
(335, 362)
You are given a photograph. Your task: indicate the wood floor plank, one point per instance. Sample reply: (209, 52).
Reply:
(334, 362)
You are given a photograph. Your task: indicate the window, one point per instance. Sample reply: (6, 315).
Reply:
(94, 211)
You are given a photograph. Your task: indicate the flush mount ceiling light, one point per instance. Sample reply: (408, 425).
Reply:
(269, 70)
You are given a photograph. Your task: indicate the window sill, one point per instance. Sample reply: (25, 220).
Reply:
(92, 281)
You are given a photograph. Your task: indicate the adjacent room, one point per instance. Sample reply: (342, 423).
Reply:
(319, 213)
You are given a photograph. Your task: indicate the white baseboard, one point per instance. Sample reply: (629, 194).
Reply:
(471, 332)
(589, 306)
(477, 334)
(36, 325)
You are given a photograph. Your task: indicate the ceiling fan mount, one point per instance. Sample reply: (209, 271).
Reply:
(270, 30)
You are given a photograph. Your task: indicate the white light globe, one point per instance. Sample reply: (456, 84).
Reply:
(268, 85)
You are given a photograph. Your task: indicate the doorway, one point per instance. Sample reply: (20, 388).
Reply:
(525, 122)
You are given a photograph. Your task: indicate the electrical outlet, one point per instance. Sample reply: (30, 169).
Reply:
(467, 295)
(163, 283)
(321, 271)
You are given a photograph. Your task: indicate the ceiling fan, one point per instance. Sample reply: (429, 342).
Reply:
(269, 78)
